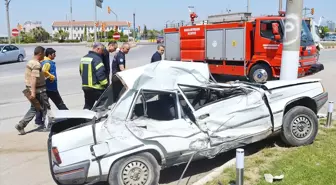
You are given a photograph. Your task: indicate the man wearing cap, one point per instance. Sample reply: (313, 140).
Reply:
(92, 71)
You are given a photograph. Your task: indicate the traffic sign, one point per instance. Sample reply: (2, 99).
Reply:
(116, 36)
(15, 32)
(99, 3)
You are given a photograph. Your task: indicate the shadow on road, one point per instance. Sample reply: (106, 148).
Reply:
(14, 62)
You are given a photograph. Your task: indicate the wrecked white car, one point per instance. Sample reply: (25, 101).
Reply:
(161, 114)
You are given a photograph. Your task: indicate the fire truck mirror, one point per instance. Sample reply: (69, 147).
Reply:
(277, 37)
(275, 28)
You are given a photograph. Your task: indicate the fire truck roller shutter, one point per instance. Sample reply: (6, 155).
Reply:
(260, 72)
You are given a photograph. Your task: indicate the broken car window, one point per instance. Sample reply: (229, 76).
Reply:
(199, 97)
(155, 105)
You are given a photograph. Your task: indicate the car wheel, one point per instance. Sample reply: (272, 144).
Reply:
(139, 169)
(20, 58)
(300, 126)
(260, 73)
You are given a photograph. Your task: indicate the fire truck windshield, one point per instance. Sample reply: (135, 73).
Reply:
(306, 36)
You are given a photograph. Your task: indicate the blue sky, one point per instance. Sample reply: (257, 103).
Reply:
(150, 12)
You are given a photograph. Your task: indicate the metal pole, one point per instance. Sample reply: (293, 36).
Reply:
(280, 5)
(134, 26)
(239, 166)
(95, 20)
(8, 22)
(291, 44)
(71, 29)
(330, 111)
(248, 5)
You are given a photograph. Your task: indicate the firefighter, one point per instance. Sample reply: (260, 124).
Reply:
(35, 89)
(111, 47)
(157, 56)
(92, 71)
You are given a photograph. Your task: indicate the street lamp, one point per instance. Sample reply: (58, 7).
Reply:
(71, 29)
(8, 22)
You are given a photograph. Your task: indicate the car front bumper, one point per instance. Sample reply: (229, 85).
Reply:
(320, 100)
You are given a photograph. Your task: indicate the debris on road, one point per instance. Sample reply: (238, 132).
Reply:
(270, 178)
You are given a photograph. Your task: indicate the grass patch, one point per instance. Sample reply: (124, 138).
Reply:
(307, 165)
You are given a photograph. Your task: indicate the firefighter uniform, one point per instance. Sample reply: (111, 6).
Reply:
(94, 79)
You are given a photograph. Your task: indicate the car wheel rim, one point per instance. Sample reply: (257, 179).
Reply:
(302, 127)
(135, 173)
(260, 75)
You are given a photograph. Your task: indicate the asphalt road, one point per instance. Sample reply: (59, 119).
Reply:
(23, 159)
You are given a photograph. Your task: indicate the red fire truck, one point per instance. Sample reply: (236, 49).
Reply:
(239, 45)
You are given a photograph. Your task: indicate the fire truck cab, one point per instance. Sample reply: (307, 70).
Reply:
(238, 45)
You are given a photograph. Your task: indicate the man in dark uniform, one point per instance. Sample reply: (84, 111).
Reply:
(157, 56)
(119, 60)
(111, 47)
(92, 71)
(119, 64)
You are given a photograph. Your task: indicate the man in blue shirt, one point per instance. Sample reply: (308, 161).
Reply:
(49, 70)
(157, 56)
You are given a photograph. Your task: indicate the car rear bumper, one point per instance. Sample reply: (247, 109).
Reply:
(320, 100)
(71, 174)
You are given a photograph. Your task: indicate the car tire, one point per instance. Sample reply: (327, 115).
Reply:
(20, 58)
(141, 169)
(300, 126)
(260, 73)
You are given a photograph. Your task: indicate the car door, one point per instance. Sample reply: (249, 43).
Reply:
(14, 52)
(157, 116)
(230, 114)
(9, 54)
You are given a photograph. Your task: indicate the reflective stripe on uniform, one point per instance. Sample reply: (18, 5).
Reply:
(103, 82)
(99, 65)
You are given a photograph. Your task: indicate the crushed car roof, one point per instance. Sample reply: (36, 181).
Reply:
(164, 75)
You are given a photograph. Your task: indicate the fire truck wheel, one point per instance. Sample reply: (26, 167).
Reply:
(260, 73)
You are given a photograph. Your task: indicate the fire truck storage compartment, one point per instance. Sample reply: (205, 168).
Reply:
(226, 44)
(172, 45)
(192, 43)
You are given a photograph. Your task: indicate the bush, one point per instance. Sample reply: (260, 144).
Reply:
(69, 41)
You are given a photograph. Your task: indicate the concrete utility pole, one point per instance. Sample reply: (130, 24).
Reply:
(280, 5)
(8, 22)
(71, 29)
(291, 44)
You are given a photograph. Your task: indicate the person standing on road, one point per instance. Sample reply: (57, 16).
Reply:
(111, 47)
(119, 64)
(119, 60)
(157, 56)
(49, 70)
(92, 71)
(36, 86)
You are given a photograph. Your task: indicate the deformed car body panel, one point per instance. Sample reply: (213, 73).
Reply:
(229, 115)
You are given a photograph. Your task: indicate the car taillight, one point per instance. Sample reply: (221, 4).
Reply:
(56, 156)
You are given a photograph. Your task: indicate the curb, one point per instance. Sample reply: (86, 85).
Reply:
(215, 173)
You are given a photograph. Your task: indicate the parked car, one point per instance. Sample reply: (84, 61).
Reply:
(159, 115)
(159, 40)
(11, 53)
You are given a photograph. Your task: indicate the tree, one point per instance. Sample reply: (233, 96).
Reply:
(61, 34)
(152, 34)
(85, 33)
(40, 34)
(324, 30)
(145, 32)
